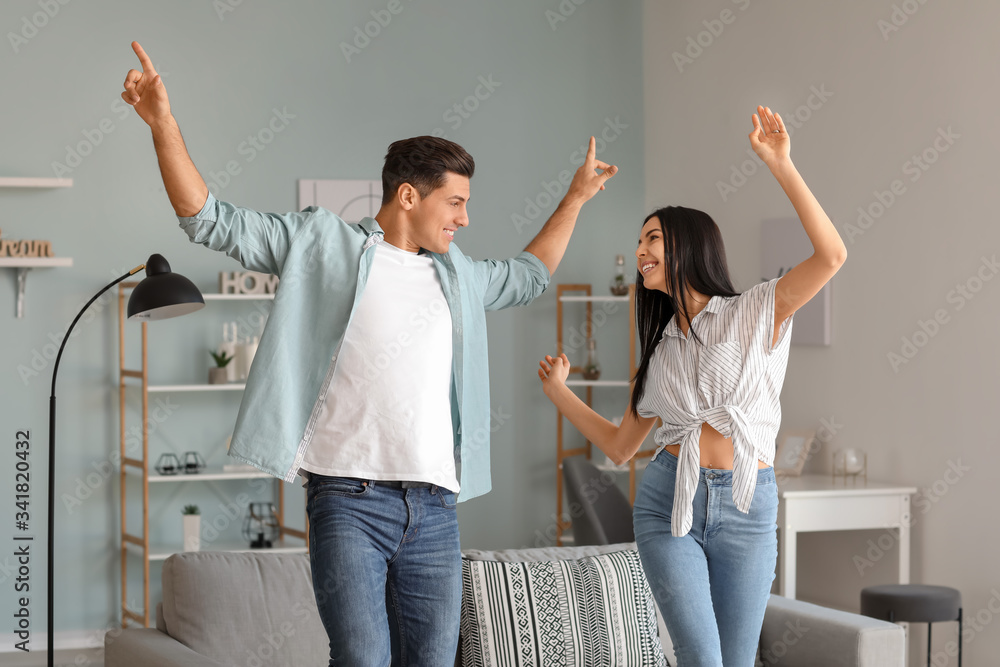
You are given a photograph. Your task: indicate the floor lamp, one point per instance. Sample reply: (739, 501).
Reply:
(159, 296)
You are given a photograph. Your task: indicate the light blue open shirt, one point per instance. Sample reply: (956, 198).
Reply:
(323, 264)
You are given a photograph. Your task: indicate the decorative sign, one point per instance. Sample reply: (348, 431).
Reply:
(351, 200)
(25, 248)
(247, 282)
(784, 243)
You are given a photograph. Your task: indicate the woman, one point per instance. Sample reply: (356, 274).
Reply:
(713, 362)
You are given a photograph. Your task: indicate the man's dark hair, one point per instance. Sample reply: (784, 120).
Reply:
(424, 163)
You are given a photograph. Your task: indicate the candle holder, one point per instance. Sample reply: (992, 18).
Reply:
(168, 464)
(193, 463)
(850, 463)
(261, 527)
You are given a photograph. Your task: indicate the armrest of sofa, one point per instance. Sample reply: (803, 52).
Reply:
(797, 632)
(150, 648)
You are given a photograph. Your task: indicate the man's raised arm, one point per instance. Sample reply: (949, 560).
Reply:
(145, 92)
(549, 245)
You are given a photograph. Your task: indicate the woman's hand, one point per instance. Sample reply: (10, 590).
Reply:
(769, 139)
(553, 371)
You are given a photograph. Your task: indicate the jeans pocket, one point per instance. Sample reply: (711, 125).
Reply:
(447, 498)
(322, 485)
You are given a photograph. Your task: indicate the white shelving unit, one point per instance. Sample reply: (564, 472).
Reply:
(139, 546)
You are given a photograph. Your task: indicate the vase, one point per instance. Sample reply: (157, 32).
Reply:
(592, 369)
(619, 286)
(244, 357)
(192, 532)
(217, 375)
(853, 461)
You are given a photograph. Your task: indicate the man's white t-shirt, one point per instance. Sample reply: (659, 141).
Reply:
(387, 414)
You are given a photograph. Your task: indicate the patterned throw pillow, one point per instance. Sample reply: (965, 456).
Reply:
(596, 610)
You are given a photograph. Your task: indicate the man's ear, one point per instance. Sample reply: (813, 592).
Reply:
(407, 196)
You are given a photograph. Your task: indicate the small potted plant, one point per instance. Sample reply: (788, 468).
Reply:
(192, 528)
(218, 374)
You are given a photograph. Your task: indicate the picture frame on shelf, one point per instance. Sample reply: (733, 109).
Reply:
(792, 451)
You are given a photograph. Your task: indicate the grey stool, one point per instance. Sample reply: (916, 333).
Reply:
(915, 603)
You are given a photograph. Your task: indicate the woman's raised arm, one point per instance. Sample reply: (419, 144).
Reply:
(770, 141)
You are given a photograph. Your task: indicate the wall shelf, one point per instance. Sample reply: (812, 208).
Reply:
(610, 467)
(34, 262)
(25, 264)
(31, 182)
(208, 474)
(237, 297)
(229, 386)
(598, 383)
(568, 299)
(158, 552)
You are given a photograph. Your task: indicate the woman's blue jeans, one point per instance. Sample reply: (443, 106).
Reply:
(387, 570)
(712, 585)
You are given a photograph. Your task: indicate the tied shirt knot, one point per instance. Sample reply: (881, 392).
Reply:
(730, 421)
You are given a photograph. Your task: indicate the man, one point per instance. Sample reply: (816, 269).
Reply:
(370, 379)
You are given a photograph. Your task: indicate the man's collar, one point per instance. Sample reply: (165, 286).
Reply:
(371, 226)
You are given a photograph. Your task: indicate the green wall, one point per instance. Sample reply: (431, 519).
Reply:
(228, 66)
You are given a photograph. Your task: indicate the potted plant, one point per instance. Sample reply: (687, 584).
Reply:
(192, 528)
(217, 375)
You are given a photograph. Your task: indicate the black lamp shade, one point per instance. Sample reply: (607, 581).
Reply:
(163, 294)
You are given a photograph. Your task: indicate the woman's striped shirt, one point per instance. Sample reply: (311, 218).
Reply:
(732, 382)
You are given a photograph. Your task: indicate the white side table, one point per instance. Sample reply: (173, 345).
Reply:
(819, 502)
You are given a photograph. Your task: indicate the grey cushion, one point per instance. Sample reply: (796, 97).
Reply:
(147, 647)
(244, 608)
(913, 603)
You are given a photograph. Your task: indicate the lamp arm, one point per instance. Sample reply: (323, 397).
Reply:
(80, 314)
(52, 459)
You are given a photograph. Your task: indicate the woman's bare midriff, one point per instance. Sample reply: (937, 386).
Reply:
(716, 450)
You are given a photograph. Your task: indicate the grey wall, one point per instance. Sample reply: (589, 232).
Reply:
(888, 93)
(226, 73)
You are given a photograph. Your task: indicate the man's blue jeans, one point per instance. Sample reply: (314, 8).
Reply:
(387, 571)
(712, 585)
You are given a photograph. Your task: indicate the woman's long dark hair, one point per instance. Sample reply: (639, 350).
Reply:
(693, 256)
